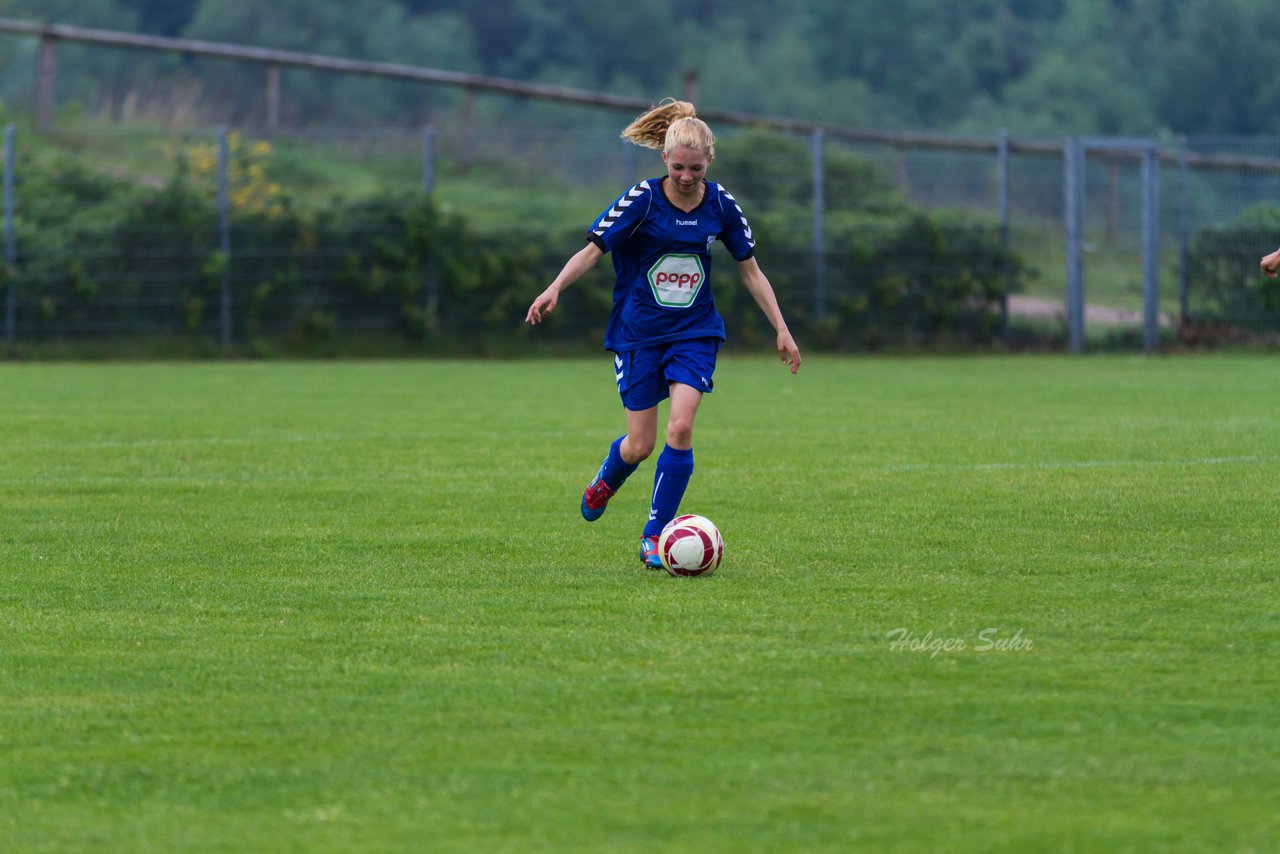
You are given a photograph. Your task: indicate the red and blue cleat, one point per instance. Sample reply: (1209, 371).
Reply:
(595, 498)
(649, 552)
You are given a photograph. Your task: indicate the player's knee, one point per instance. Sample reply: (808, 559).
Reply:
(639, 448)
(680, 432)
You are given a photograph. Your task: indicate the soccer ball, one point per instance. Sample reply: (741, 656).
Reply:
(690, 545)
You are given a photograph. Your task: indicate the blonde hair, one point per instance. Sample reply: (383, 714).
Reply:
(671, 124)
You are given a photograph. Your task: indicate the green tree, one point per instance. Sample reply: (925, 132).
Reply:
(1034, 66)
(1218, 75)
(386, 33)
(162, 17)
(1082, 83)
(87, 76)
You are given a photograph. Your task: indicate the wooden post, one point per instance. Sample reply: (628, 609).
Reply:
(46, 80)
(467, 155)
(691, 86)
(273, 99)
(429, 160)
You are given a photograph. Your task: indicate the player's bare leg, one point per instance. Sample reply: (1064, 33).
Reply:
(675, 467)
(624, 455)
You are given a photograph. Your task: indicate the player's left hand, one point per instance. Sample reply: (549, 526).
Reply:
(788, 352)
(1271, 263)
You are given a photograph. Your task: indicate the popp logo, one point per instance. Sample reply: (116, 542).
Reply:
(676, 280)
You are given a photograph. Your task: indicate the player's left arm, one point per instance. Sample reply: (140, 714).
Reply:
(1271, 264)
(757, 283)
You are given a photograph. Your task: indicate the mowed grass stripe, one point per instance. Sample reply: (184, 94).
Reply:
(351, 606)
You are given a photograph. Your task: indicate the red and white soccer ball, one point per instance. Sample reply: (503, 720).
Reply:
(690, 545)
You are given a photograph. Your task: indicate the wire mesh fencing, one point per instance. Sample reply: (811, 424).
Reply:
(223, 236)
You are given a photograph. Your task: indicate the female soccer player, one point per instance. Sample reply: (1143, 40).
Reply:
(664, 329)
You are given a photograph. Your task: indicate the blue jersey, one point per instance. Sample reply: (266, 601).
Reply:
(662, 260)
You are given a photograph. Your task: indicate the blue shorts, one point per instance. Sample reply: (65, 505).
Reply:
(644, 375)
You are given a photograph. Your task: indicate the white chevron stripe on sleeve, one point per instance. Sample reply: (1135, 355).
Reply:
(746, 226)
(620, 207)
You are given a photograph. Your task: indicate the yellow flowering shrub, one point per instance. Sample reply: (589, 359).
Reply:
(249, 188)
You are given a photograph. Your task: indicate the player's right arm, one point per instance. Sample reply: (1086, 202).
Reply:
(582, 261)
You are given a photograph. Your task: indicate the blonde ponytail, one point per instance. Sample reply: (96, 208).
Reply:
(671, 124)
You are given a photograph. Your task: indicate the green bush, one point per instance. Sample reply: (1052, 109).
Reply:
(905, 280)
(103, 256)
(1225, 287)
(772, 172)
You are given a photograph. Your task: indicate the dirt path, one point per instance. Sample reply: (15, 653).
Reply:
(1024, 306)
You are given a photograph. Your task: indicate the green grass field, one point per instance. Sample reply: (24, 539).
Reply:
(968, 604)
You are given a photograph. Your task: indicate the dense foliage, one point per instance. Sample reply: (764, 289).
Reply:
(1224, 264)
(101, 255)
(1033, 66)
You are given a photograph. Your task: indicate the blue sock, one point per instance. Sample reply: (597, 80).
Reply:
(615, 470)
(669, 482)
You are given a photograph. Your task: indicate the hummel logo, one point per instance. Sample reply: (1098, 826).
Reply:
(686, 222)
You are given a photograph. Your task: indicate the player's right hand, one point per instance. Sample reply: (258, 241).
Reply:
(542, 306)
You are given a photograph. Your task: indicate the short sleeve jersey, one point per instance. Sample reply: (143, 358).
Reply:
(662, 260)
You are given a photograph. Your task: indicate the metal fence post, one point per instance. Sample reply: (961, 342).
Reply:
(1184, 216)
(431, 277)
(224, 236)
(819, 230)
(1002, 193)
(10, 254)
(1150, 247)
(1073, 220)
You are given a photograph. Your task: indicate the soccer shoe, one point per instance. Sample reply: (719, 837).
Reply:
(649, 552)
(596, 497)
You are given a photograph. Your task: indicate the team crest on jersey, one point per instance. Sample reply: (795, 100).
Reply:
(676, 279)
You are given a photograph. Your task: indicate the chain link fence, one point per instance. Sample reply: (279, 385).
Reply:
(1108, 249)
